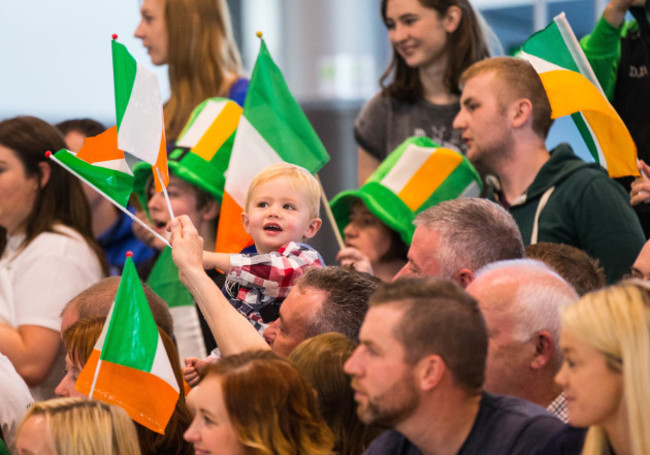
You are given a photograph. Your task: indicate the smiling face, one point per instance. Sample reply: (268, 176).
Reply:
(18, 192)
(211, 431)
(152, 30)
(278, 213)
(419, 34)
(367, 233)
(593, 391)
(384, 384)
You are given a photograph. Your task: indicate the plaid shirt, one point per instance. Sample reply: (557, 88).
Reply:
(258, 283)
(558, 408)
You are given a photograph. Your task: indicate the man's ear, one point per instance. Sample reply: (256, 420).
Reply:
(544, 349)
(46, 171)
(312, 229)
(522, 110)
(246, 222)
(429, 371)
(463, 277)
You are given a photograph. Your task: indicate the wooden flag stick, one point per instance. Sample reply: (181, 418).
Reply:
(330, 216)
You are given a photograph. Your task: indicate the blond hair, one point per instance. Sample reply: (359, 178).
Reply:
(299, 177)
(616, 322)
(201, 54)
(86, 427)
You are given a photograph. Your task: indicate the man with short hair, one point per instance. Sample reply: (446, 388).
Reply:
(455, 238)
(419, 370)
(505, 117)
(521, 301)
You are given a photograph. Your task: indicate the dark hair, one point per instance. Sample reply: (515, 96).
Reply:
(517, 79)
(347, 300)
(61, 199)
(465, 46)
(439, 317)
(579, 269)
(87, 126)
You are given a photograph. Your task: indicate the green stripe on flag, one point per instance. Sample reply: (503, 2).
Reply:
(114, 184)
(164, 281)
(548, 44)
(454, 185)
(276, 115)
(124, 70)
(587, 135)
(132, 335)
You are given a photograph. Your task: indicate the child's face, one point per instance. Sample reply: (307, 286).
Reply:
(278, 213)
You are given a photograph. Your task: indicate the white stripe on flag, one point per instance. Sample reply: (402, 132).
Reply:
(411, 160)
(472, 190)
(250, 154)
(161, 366)
(115, 165)
(201, 124)
(540, 65)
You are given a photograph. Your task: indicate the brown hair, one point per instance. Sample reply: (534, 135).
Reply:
(320, 360)
(465, 46)
(579, 269)
(201, 53)
(86, 126)
(79, 340)
(521, 81)
(272, 408)
(61, 199)
(439, 317)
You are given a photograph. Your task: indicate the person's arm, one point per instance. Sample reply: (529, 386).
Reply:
(213, 260)
(32, 350)
(367, 165)
(232, 331)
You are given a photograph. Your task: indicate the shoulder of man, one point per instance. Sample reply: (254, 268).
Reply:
(391, 442)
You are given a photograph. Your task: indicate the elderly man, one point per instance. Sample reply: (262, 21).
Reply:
(419, 370)
(521, 302)
(455, 238)
(554, 196)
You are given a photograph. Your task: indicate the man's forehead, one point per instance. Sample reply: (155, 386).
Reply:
(302, 301)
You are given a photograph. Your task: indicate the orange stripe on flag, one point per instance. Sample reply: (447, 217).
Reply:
(161, 164)
(113, 379)
(218, 132)
(102, 147)
(231, 236)
(433, 171)
(571, 92)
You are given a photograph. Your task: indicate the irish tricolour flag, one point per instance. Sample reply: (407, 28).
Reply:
(102, 165)
(129, 366)
(573, 89)
(139, 113)
(271, 129)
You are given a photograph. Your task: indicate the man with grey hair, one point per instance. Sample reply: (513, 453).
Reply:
(455, 238)
(521, 301)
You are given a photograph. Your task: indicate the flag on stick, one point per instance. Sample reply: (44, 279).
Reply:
(272, 128)
(573, 89)
(129, 366)
(139, 114)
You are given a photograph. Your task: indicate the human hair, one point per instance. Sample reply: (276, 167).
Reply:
(320, 360)
(85, 427)
(438, 317)
(574, 265)
(201, 54)
(79, 340)
(517, 79)
(346, 304)
(464, 46)
(616, 321)
(97, 301)
(299, 177)
(86, 126)
(61, 200)
(272, 408)
(473, 233)
(540, 296)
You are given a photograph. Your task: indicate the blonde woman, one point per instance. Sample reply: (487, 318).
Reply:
(606, 372)
(76, 426)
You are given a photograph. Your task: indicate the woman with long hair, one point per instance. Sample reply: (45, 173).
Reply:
(47, 250)
(433, 42)
(606, 371)
(195, 39)
(256, 403)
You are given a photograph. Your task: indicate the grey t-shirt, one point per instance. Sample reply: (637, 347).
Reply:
(385, 123)
(504, 425)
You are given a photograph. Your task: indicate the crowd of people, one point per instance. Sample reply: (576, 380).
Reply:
(501, 307)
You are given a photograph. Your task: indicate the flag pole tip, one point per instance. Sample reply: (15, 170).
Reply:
(129, 254)
(259, 34)
(114, 36)
(48, 154)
